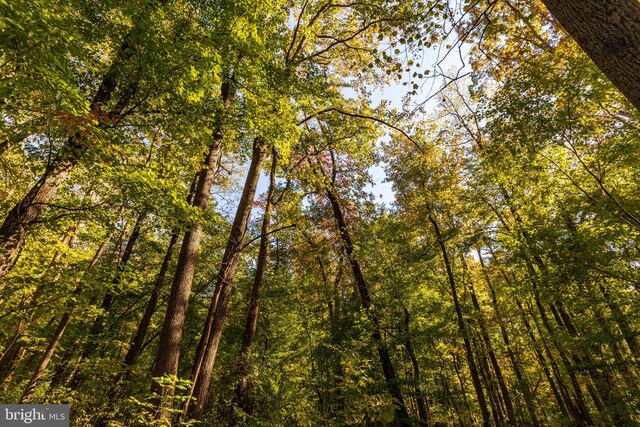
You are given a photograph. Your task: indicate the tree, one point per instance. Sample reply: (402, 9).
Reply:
(608, 32)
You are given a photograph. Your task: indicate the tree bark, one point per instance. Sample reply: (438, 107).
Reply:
(210, 339)
(473, 369)
(27, 210)
(137, 342)
(135, 347)
(168, 355)
(401, 414)
(99, 324)
(241, 395)
(506, 394)
(524, 385)
(424, 411)
(609, 32)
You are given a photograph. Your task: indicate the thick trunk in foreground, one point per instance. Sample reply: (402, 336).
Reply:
(210, 339)
(241, 394)
(473, 369)
(609, 32)
(27, 395)
(401, 415)
(168, 355)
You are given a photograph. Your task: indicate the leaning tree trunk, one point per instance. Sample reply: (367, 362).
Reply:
(27, 395)
(137, 342)
(27, 210)
(14, 351)
(241, 395)
(401, 414)
(100, 322)
(423, 404)
(210, 339)
(515, 363)
(168, 355)
(609, 32)
(506, 394)
(473, 369)
(135, 347)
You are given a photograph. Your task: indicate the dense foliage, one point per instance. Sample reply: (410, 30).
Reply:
(190, 234)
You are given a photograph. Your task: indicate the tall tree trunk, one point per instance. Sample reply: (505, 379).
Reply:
(524, 385)
(210, 339)
(506, 394)
(609, 32)
(621, 320)
(475, 377)
(135, 347)
(401, 414)
(137, 342)
(27, 395)
(168, 355)
(99, 323)
(424, 411)
(241, 395)
(14, 352)
(487, 378)
(27, 210)
(488, 347)
(578, 409)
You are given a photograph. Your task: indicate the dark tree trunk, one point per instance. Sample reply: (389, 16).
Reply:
(621, 320)
(168, 355)
(506, 394)
(402, 416)
(475, 377)
(210, 339)
(524, 385)
(241, 394)
(137, 342)
(423, 405)
(14, 352)
(99, 323)
(609, 32)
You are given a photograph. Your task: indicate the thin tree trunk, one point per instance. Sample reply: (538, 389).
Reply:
(621, 320)
(475, 377)
(401, 414)
(14, 352)
(168, 355)
(241, 394)
(506, 394)
(27, 395)
(137, 342)
(424, 411)
(135, 347)
(99, 323)
(526, 391)
(12, 366)
(210, 339)
(487, 379)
